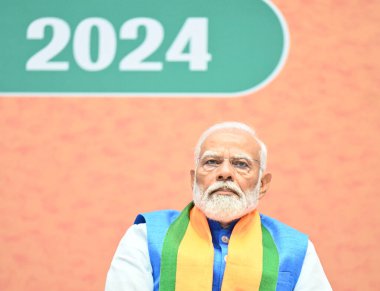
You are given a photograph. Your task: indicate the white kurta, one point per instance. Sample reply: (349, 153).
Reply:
(131, 269)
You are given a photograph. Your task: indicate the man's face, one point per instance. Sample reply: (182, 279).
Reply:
(226, 183)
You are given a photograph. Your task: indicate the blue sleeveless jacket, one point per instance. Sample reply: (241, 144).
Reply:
(291, 245)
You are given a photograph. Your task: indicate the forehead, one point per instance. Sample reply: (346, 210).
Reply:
(231, 141)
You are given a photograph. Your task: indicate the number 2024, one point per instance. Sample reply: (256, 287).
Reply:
(194, 34)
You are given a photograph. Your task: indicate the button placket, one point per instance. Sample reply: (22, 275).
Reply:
(225, 239)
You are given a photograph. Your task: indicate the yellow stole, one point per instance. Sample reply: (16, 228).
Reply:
(244, 262)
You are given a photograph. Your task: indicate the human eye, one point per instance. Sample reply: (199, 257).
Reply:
(241, 164)
(211, 162)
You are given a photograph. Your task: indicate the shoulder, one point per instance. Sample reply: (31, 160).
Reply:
(278, 228)
(136, 232)
(285, 236)
(157, 223)
(159, 216)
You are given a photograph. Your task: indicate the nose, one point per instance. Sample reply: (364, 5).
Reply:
(225, 171)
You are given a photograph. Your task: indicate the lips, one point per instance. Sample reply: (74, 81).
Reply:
(224, 191)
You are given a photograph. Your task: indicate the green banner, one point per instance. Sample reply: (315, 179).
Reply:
(136, 48)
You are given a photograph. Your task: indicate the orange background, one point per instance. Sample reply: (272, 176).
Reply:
(74, 172)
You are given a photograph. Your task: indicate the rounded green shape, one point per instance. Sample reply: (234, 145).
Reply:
(241, 45)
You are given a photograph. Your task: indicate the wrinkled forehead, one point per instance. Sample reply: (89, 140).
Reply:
(231, 142)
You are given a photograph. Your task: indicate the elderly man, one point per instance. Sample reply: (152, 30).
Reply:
(219, 241)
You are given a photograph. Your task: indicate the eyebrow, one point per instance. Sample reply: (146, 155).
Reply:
(244, 156)
(213, 154)
(210, 154)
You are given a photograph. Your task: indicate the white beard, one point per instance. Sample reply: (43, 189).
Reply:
(226, 208)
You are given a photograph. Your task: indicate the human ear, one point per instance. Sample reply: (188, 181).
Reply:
(264, 184)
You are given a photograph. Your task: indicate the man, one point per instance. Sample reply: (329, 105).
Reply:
(219, 241)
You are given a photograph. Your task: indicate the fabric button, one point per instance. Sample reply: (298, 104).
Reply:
(225, 239)
(225, 258)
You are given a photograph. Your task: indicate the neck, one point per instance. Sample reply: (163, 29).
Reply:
(225, 224)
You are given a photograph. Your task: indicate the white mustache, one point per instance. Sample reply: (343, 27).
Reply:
(224, 185)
